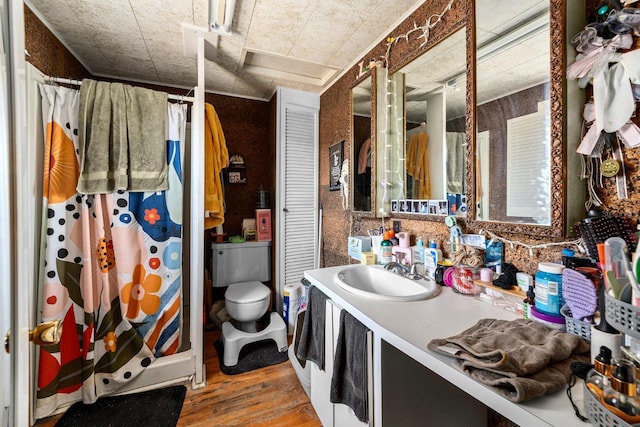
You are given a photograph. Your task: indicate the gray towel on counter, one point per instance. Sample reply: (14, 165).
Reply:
(522, 359)
(349, 381)
(311, 345)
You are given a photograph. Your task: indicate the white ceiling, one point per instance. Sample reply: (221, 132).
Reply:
(142, 40)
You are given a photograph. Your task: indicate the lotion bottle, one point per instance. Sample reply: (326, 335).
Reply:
(432, 257)
(419, 251)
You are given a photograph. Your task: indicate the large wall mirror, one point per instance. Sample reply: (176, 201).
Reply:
(421, 132)
(362, 146)
(513, 140)
(435, 125)
(521, 171)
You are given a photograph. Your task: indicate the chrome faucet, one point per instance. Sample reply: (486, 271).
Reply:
(396, 267)
(404, 271)
(413, 274)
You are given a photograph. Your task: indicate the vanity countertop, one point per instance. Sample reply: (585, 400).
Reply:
(409, 326)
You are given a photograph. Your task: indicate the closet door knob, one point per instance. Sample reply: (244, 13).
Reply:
(285, 210)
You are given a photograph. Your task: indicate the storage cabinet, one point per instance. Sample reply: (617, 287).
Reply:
(335, 414)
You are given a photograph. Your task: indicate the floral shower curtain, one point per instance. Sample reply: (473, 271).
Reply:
(112, 267)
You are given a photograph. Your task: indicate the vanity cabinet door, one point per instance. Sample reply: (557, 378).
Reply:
(321, 380)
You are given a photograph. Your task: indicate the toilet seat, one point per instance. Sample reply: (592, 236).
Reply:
(247, 292)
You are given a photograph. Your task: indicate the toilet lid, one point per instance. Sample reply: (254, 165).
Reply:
(245, 292)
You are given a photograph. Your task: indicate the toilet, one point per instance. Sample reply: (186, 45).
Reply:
(241, 268)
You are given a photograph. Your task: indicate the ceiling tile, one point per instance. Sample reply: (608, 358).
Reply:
(141, 40)
(287, 19)
(98, 16)
(118, 44)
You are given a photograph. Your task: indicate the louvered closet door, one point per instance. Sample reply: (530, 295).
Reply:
(297, 180)
(528, 165)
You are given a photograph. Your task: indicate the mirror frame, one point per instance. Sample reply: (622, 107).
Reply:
(558, 103)
(353, 156)
(436, 38)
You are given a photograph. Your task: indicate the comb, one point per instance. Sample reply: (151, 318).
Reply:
(579, 293)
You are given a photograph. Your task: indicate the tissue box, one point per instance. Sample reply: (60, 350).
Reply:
(357, 245)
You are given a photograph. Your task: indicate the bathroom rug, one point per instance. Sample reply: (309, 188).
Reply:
(158, 408)
(252, 356)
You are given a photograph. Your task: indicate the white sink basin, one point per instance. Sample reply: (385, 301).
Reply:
(377, 283)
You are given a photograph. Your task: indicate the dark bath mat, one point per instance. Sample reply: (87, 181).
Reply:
(150, 408)
(252, 356)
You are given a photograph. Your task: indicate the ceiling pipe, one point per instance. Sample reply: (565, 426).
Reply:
(221, 16)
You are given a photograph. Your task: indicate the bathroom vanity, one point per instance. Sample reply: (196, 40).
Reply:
(414, 386)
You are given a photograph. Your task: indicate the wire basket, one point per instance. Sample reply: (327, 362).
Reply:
(622, 316)
(575, 326)
(598, 414)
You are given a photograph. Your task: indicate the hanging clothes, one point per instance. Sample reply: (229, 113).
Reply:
(417, 165)
(216, 158)
(112, 267)
(364, 156)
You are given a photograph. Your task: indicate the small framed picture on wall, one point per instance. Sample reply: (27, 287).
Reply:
(335, 165)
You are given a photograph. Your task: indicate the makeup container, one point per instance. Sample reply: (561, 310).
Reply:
(598, 377)
(621, 391)
(548, 288)
(555, 322)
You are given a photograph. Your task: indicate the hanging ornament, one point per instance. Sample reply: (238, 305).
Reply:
(609, 168)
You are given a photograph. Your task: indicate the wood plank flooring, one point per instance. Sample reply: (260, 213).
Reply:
(270, 396)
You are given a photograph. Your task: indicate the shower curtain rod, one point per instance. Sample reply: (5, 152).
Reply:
(76, 82)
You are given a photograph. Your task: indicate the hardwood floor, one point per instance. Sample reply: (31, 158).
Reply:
(270, 396)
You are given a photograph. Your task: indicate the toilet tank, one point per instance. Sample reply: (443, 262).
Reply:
(240, 262)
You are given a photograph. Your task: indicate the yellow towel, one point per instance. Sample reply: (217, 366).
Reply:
(417, 165)
(216, 157)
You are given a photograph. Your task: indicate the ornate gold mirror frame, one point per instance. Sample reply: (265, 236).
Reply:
(560, 217)
(353, 166)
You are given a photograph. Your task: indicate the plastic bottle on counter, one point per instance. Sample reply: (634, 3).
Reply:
(418, 251)
(433, 256)
(548, 288)
(528, 302)
(385, 249)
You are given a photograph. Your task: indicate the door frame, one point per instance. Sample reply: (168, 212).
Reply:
(5, 222)
(22, 252)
